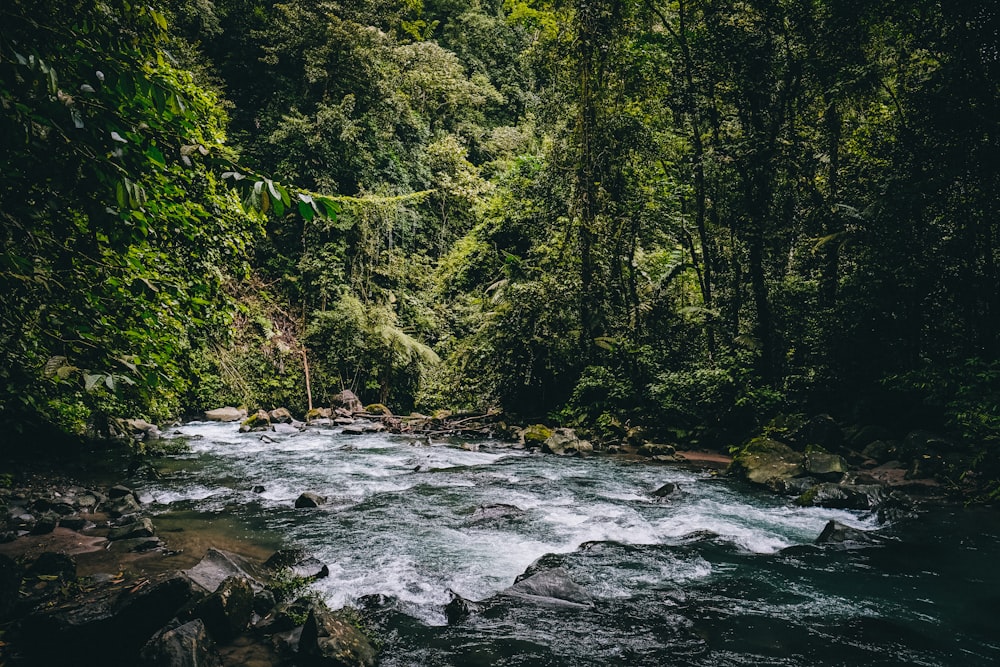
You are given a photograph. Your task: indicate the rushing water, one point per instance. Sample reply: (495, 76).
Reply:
(714, 574)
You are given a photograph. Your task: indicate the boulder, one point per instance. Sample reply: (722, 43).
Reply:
(552, 585)
(216, 567)
(285, 429)
(263, 602)
(667, 489)
(259, 421)
(843, 496)
(564, 441)
(123, 506)
(298, 564)
(55, 564)
(535, 435)
(142, 429)
(347, 400)
(185, 645)
(378, 409)
(343, 421)
(119, 491)
(460, 608)
(837, 533)
(826, 466)
(879, 450)
(141, 528)
(45, 524)
(318, 414)
(354, 429)
(227, 612)
(767, 462)
(309, 499)
(332, 640)
(864, 436)
(374, 427)
(280, 416)
(226, 414)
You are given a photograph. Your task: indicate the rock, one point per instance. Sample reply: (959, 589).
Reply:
(843, 496)
(298, 564)
(226, 414)
(216, 567)
(263, 602)
(318, 414)
(666, 490)
(655, 450)
(564, 441)
(51, 563)
(879, 450)
(45, 524)
(636, 436)
(186, 645)
(460, 608)
(309, 499)
(135, 545)
(227, 612)
(86, 501)
(866, 435)
(343, 421)
(553, 585)
(355, 429)
(331, 640)
(123, 506)
(535, 435)
(142, 429)
(837, 533)
(10, 584)
(258, 488)
(259, 421)
(285, 616)
(347, 400)
(280, 416)
(378, 409)
(820, 430)
(285, 429)
(496, 512)
(768, 462)
(141, 528)
(374, 427)
(119, 491)
(826, 466)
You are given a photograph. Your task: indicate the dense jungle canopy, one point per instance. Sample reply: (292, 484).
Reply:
(696, 214)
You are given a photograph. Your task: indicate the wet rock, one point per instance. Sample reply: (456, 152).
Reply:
(120, 491)
(354, 429)
(347, 400)
(136, 545)
(309, 499)
(374, 427)
(142, 430)
(667, 489)
(216, 567)
(317, 414)
(285, 429)
(228, 610)
(258, 488)
(551, 585)
(259, 421)
(837, 533)
(866, 435)
(843, 496)
(460, 608)
(287, 643)
(564, 441)
(765, 461)
(285, 616)
(343, 421)
(86, 501)
(63, 508)
(138, 529)
(280, 416)
(186, 645)
(124, 506)
(226, 414)
(496, 512)
(879, 450)
(331, 640)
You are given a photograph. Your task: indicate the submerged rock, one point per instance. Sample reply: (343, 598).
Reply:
(309, 499)
(667, 489)
(837, 533)
(495, 512)
(552, 585)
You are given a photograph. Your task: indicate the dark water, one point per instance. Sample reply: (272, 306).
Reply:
(715, 574)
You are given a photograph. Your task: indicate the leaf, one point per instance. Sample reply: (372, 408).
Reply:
(306, 211)
(110, 382)
(90, 381)
(117, 137)
(156, 156)
(63, 372)
(74, 113)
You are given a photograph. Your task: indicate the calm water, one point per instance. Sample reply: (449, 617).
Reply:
(714, 575)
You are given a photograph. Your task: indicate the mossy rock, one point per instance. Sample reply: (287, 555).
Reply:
(378, 409)
(536, 434)
(765, 461)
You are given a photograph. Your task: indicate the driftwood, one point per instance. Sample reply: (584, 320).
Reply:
(462, 425)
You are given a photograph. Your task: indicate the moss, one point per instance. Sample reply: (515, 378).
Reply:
(377, 409)
(536, 433)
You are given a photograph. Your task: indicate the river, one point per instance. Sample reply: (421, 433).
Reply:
(713, 574)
